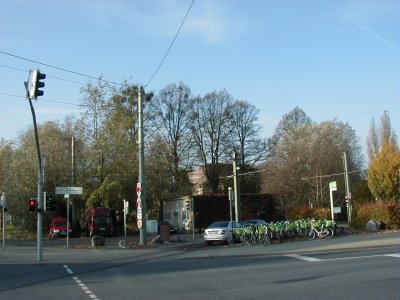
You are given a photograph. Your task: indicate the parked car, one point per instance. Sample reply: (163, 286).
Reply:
(253, 222)
(219, 232)
(58, 227)
(172, 228)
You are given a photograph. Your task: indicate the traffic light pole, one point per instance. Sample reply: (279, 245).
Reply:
(32, 92)
(40, 188)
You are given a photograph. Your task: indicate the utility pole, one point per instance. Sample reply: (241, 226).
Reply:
(236, 187)
(73, 165)
(347, 187)
(141, 179)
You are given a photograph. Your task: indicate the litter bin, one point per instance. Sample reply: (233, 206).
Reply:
(164, 232)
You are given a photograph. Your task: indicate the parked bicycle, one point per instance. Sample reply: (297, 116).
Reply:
(320, 229)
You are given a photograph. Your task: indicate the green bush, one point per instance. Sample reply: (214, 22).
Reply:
(305, 212)
(388, 213)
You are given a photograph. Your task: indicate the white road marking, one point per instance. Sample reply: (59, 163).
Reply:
(312, 259)
(393, 255)
(302, 257)
(81, 284)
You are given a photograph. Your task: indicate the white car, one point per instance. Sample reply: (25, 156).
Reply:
(220, 231)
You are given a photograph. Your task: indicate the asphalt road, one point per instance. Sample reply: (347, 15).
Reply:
(349, 267)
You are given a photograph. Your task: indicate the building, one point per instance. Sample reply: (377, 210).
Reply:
(179, 211)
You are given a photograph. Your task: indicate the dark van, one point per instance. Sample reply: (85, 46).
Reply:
(100, 222)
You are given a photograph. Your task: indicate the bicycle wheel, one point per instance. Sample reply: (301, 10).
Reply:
(328, 233)
(230, 240)
(310, 234)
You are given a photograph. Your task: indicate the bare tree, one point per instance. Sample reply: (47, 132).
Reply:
(170, 114)
(210, 129)
(302, 156)
(246, 134)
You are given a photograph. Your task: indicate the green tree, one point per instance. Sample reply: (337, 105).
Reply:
(305, 156)
(383, 171)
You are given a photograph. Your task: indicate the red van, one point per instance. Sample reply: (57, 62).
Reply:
(58, 227)
(100, 222)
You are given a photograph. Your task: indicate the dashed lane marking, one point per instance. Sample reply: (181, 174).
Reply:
(81, 284)
(302, 257)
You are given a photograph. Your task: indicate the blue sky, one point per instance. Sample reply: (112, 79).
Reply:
(334, 59)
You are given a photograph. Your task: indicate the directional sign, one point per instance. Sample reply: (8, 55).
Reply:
(72, 190)
(332, 186)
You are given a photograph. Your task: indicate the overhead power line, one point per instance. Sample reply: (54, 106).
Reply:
(170, 46)
(58, 78)
(98, 78)
(45, 100)
(59, 68)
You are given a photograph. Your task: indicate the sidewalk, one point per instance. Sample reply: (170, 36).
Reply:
(26, 252)
(190, 248)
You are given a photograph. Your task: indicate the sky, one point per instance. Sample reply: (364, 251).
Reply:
(335, 59)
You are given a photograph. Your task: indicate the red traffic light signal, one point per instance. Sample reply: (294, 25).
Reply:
(32, 203)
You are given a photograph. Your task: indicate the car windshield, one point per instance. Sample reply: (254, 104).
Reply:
(219, 224)
(60, 224)
(102, 221)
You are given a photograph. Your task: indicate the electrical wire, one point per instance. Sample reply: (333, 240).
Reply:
(59, 68)
(170, 46)
(98, 78)
(41, 99)
(58, 78)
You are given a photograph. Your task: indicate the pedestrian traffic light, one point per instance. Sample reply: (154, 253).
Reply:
(49, 202)
(36, 84)
(32, 203)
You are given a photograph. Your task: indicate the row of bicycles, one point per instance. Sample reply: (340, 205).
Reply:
(255, 233)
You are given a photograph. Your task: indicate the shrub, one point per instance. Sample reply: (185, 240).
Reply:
(305, 212)
(388, 213)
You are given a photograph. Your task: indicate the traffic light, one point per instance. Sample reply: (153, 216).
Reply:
(49, 202)
(187, 203)
(36, 84)
(32, 203)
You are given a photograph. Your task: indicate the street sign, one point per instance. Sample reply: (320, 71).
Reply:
(3, 200)
(139, 224)
(139, 189)
(332, 186)
(72, 190)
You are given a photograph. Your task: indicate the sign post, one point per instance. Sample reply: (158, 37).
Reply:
(67, 191)
(3, 205)
(332, 187)
(126, 207)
